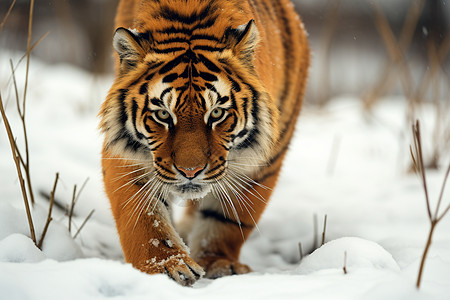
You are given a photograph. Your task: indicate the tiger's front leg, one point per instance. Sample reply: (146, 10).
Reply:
(149, 241)
(221, 228)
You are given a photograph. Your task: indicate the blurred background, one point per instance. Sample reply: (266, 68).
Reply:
(367, 49)
(353, 42)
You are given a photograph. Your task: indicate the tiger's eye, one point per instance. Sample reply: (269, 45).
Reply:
(217, 113)
(163, 114)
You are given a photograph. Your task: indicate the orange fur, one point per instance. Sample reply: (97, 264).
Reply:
(199, 86)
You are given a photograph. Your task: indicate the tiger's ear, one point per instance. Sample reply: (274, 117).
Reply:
(243, 40)
(129, 48)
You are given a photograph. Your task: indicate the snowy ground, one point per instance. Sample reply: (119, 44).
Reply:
(342, 163)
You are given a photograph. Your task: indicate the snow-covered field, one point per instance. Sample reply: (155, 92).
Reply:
(343, 163)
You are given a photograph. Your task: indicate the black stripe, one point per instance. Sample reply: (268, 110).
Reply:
(171, 64)
(156, 147)
(288, 57)
(167, 90)
(164, 176)
(154, 64)
(208, 48)
(234, 85)
(251, 138)
(215, 176)
(157, 102)
(209, 64)
(202, 101)
(212, 214)
(123, 107)
(208, 76)
(173, 40)
(149, 76)
(134, 109)
(233, 100)
(164, 168)
(146, 125)
(204, 37)
(267, 175)
(144, 88)
(188, 31)
(215, 168)
(233, 125)
(145, 109)
(170, 14)
(223, 121)
(222, 100)
(170, 78)
(131, 143)
(179, 98)
(168, 50)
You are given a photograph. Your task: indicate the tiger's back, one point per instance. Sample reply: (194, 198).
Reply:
(201, 59)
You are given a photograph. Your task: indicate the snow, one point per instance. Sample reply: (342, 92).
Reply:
(343, 162)
(360, 254)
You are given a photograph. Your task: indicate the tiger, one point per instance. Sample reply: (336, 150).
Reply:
(202, 109)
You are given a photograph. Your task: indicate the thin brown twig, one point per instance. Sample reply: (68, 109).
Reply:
(300, 250)
(441, 195)
(7, 15)
(419, 157)
(324, 229)
(27, 153)
(25, 55)
(72, 206)
(19, 171)
(18, 107)
(81, 189)
(315, 230)
(84, 222)
(434, 219)
(25, 163)
(395, 51)
(405, 39)
(410, 24)
(330, 27)
(344, 268)
(49, 216)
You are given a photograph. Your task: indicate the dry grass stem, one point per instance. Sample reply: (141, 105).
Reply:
(17, 162)
(22, 114)
(344, 268)
(435, 218)
(418, 158)
(331, 22)
(7, 15)
(50, 208)
(396, 50)
(25, 162)
(324, 229)
(81, 189)
(31, 50)
(84, 222)
(315, 231)
(300, 250)
(72, 206)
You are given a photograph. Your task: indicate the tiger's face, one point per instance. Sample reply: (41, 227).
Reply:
(193, 120)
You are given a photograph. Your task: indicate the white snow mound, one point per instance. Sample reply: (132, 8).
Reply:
(360, 254)
(18, 248)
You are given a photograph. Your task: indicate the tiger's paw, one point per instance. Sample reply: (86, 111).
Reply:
(179, 267)
(223, 267)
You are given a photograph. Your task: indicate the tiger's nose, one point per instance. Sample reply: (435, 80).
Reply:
(190, 173)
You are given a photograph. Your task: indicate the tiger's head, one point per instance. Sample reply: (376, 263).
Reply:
(190, 109)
